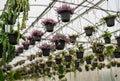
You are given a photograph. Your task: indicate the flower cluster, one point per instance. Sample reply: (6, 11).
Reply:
(58, 37)
(51, 21)
(45, 46)
(65, 8)
(37, 33)
(30, 37)
(25, 43)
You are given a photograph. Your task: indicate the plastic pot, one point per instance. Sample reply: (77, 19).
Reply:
(65, 16)
(60, 44)
(110, 21)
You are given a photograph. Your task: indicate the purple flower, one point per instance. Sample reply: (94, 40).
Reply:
(58, 37)
(65, 8)
(51, 21)
(45, 46)
(25, 43)
(37, 33)
(30, 37)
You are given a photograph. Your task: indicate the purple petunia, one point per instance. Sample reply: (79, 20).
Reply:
(51, 21)
(65, 8)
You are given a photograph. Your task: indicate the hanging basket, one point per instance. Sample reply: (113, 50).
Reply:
(110, 21)
(49, 27)
(1, 50)
(101, 58)
(49, 63)
(37, 38)
(58, 60)
(68, 65)
(116, 54)
(77, 64)
(68, 58)
(42, 65)
(46, 52)
(13, 38)
(98, 48)
(107, 40)
(88, 61)
(60, 44)
(32, 41)
(72, 39)
(65, 16)
(79, 55)
(88, 31)
(26, 47)
(118, 41)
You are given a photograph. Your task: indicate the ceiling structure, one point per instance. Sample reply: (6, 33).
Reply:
(87, 12)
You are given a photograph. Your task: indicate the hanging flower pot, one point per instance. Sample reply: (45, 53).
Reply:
(45, 49)
(49, 63)
(65, 12)
(101, 57)
(87, 67)
(13, 37)
(117, 52)
(80, 51)
(77, 63)
(107, 40)
(58, 60)
(1, 50)
(68, 58)
(89, 30)
(60, 44)
(101, 65)
(31, 40)
(60, 41)
(79, 55)
(19, 50)
(113, 63)
(68, 65)
(110, 20)
(118, 64)
(49, 24)
(107, 35)
(97, 47)
(25, 45)
(118, 40)
(73, 38)
(89, 59)
(42, 65)
(37, 35)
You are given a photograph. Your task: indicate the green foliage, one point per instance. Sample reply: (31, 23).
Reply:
(80, 47)
(117, 49)
(2, 76)
(108, 51)
(90, 27)
(106, 34)
(89, 57)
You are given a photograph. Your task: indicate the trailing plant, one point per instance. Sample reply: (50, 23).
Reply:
(108, 52)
